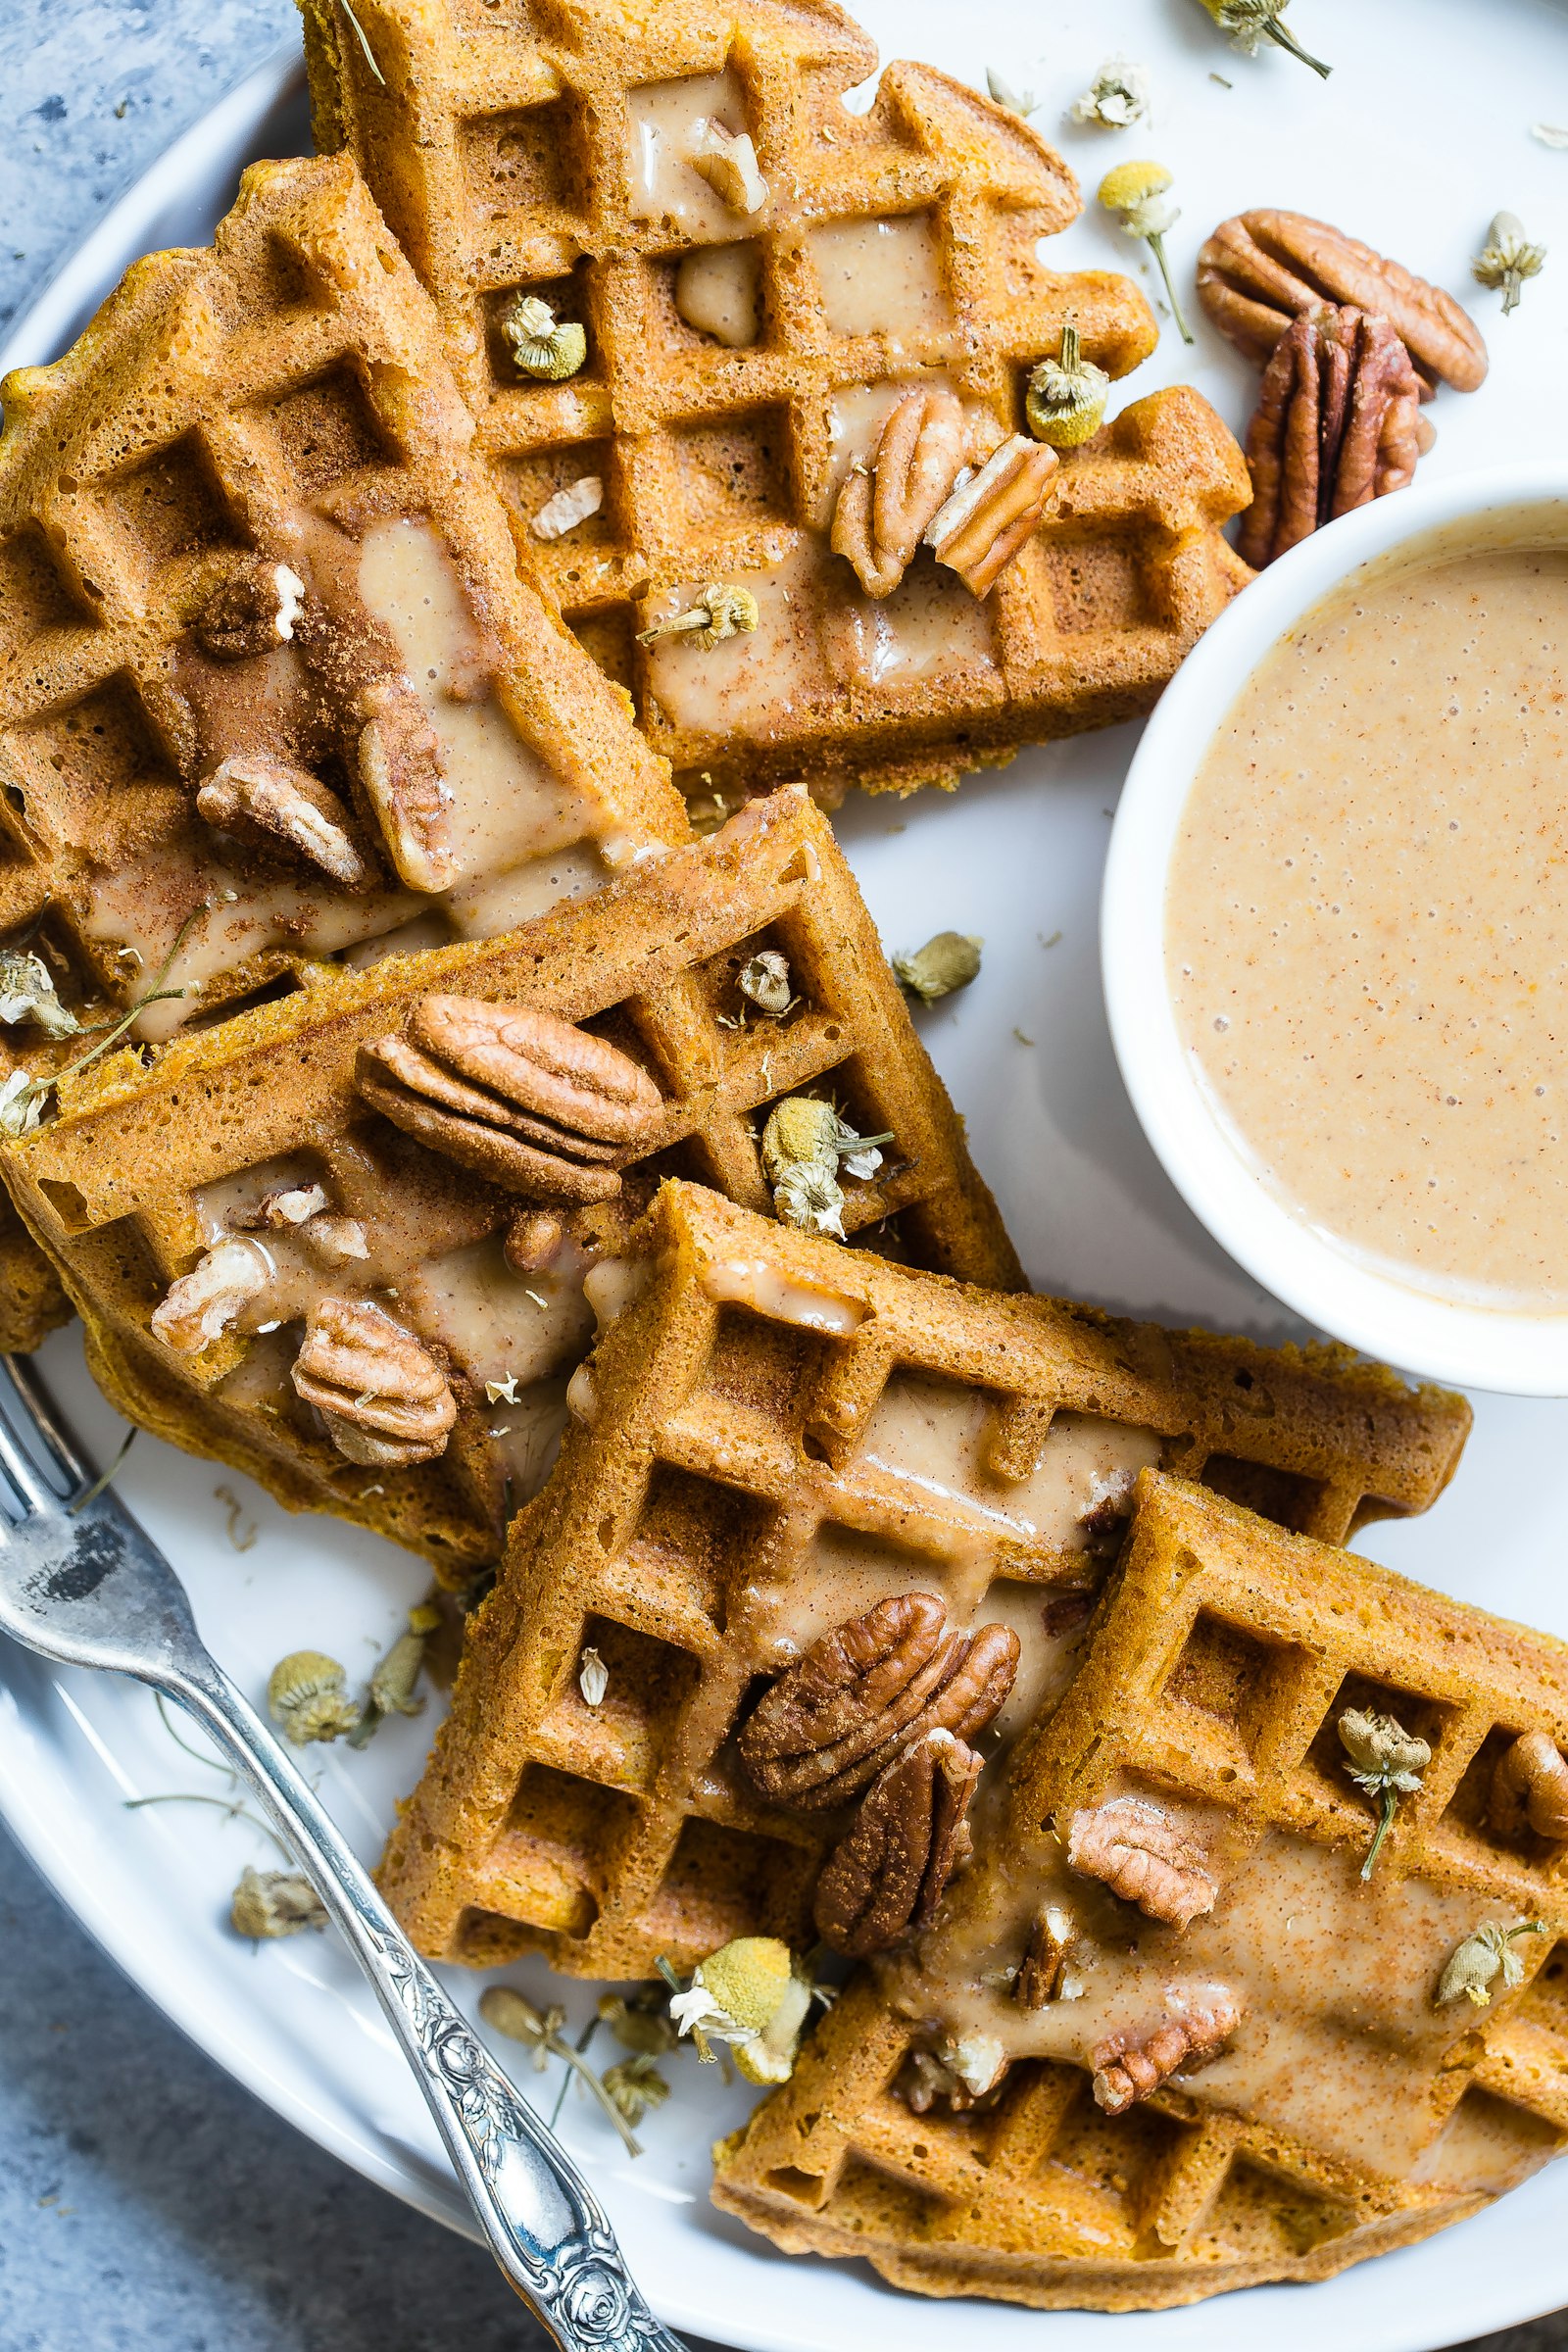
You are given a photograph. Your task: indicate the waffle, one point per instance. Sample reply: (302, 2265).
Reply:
(144, 1170)
(1350, 2112)
(279, 401)
(779, 1434)
(533, 150)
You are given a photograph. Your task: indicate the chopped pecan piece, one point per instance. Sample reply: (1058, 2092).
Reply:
(1126, 2071)
(522, 1098)
(401, 769)
(1336, 426)
(253, 611)
(204, 1303)
(1144, 1857)
(887, 1873)
(533, 1237)
(1263, 269)
(1530, 1788)
(995, 513)
(1045, 1956)
(335, 1241)
(884, 508)
(869, 1688)
(383, 1396)
(264, 800)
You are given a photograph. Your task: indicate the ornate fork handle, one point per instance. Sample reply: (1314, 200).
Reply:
(546, 2227)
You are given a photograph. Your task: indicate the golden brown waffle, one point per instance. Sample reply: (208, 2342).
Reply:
(777, 1435)
(280, 399)
(506, 146)
(146, 1168)
(1350, 2112)
(33, 1302)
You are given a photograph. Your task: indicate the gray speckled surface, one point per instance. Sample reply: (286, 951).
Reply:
(145, 2199)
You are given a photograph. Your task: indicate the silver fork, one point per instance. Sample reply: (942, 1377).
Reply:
(86, 1587)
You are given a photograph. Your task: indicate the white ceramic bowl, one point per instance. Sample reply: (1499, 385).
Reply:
(1517, 1354)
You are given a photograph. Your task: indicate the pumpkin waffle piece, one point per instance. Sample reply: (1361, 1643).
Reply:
(1167, 2037)
(683, 287)
(776, 1437)
(271, 693)
(353, 1241)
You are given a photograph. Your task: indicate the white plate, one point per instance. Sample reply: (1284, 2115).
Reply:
(1422, 133)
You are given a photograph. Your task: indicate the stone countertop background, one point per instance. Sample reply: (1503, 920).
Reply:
(145, 2198)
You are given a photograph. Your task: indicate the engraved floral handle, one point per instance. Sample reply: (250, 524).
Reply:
(546, 2227)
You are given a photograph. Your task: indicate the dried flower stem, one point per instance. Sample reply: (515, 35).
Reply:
(75, 1509)
(233, 1808)
(369, 53)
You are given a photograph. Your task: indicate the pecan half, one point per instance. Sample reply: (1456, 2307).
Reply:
(1127, 2071)
(204, 1303)
(265, 799)
(987, 521)
(884, 508)
(401, 769)
(1530, 1788)
(1263, 269)
(888, 1872)
(1336, 426)
(866, 1689)
(1044, 1960)
(522, 1098)
(1144, 1857)
(383, 1396)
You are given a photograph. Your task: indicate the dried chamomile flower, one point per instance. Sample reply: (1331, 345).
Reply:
(27, 992)
(949, 960)
(1474, 1966)
(640, 2021)
(593, 1677)
(764, 980)
(1116, 98)
(1251, 22)
(753, 1995)
(722, 611)
(394, 1679)
(1387, 1761)
(543, 345)
(22, 1101)
(510, 2013)
(804, 1147)
(1136, 192)
(307, 1699)
(1064, 399)
(1507, 259)
(267, 1903)
(1017, 101)
(635, 2085)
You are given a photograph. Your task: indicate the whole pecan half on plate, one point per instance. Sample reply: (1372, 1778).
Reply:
(888, 1872)
(1262, 268)
(1127, 2070)
(869, 1688)
(530, 1101)
(1337, 425)
(382, 1394)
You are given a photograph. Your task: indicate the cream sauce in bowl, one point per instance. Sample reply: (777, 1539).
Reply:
(1366, 933)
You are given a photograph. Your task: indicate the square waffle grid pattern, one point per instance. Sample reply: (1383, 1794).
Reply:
(1043, 2199)
(728, 1429)
(507, 147)
(221, 406)
(114, 1185)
